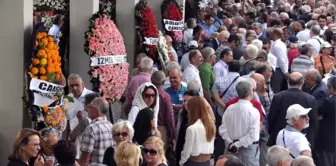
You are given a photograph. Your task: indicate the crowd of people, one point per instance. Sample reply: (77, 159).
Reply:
(251, 88)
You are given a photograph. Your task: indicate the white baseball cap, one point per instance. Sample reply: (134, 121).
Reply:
(296, 110)
(193, 44)
(325, 45)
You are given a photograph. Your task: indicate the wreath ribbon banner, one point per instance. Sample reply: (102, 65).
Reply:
(172, 25)
(151, 41)
(107, 60)
(44, 92)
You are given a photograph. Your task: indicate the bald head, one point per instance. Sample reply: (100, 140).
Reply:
(313, 77)
(223, 36)
(228, 22)
(295, 80)
(260, 81)
(101, 104)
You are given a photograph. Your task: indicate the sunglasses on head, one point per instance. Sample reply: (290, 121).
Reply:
(124, 134)
(152, 152)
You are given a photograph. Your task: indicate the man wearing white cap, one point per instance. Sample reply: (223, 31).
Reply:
(291, 136)
(192, 45)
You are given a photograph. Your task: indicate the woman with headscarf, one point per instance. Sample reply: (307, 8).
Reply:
(146, 96)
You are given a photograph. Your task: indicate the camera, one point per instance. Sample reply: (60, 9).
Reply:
(232, 149)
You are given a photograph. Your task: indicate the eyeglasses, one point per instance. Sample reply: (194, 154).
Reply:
(124, 134)
(152, 152)
(146, 95)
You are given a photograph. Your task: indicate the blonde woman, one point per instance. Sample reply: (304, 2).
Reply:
(153, 152)
(200, 134)
(127, 154)
(26, 146)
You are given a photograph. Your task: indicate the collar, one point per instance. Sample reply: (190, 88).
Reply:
(290, 128)
(84, 92)
(304, 57)
(243, 101)
(181, 87)
(260, 35)
(207, 64)
(102, 118)
(224, 64)
(193, 67)
(316, 85)
(144, 73)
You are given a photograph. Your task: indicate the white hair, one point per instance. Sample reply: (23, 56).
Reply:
(117, 127)
(285, 15)
(303, 161)
(251, 51)
(194, 85)
(276, 154)
(146, 64)
(258, 43)
(252, 82)
(75, 77)
(306, 9)
(171, 66)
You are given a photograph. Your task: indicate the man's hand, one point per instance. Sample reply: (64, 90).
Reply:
(79, 116)
(39, 161)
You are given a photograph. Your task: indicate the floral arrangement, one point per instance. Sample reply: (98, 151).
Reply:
(46, 66)
(163, 50)
(171, 10)
(146, 24)
(45, 5)
(103, 41)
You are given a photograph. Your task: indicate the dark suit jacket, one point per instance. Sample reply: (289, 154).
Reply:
(262, 37)
(326, 133)
(320, 92)
(278, 110)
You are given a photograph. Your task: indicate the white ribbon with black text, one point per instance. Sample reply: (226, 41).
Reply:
(107, 60)
(172, 25)
(44, 92)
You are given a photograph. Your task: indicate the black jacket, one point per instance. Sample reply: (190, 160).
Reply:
(320, 92)
(325, 139)
(108, 157)
(278, 110)
(16, 162)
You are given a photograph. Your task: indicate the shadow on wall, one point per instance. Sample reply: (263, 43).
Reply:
(5, 149)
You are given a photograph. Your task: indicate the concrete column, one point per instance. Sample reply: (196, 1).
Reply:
(80, 13)
(16, 17)
(126, 25)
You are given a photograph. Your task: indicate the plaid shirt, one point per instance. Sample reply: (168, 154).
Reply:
(96, 138)
(266, 101)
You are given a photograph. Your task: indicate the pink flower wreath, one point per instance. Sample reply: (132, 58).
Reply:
(104, 39)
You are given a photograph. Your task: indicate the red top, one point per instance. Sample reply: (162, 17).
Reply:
(292, 54)
(255, 104)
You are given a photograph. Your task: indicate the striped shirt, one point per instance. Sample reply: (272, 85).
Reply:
(302, 64)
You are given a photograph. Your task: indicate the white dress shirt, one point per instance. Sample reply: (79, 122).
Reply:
(272, 60)
(77, 105)
(316, 42)
(192, 73)
(187, 36)
(279, 50)
(221, 69)
(184, 61)
(196, 142)
(241, 121)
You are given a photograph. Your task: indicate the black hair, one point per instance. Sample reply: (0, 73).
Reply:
(224, 52)
(233, 38)
(208, 17)
(286, 22)
(275, 23)
(231, 27)
(156, 93)
(65, 152)
(196, 30)
(303, 24)
(322, 16)
(234, 66)
(266, 41)
(143, 126)
(88, 98)
(57, 19)
(191, 93)
(331, 83)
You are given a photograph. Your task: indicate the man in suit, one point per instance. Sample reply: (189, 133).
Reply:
(325, 141)
(315, 86)
(284, 99)
(257, 27)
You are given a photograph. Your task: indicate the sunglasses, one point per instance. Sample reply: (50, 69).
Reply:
(152, 152)
(124, 134)
(149, 95)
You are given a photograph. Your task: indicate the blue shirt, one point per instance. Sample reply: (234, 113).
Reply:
(176, 96)
(208, 30)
